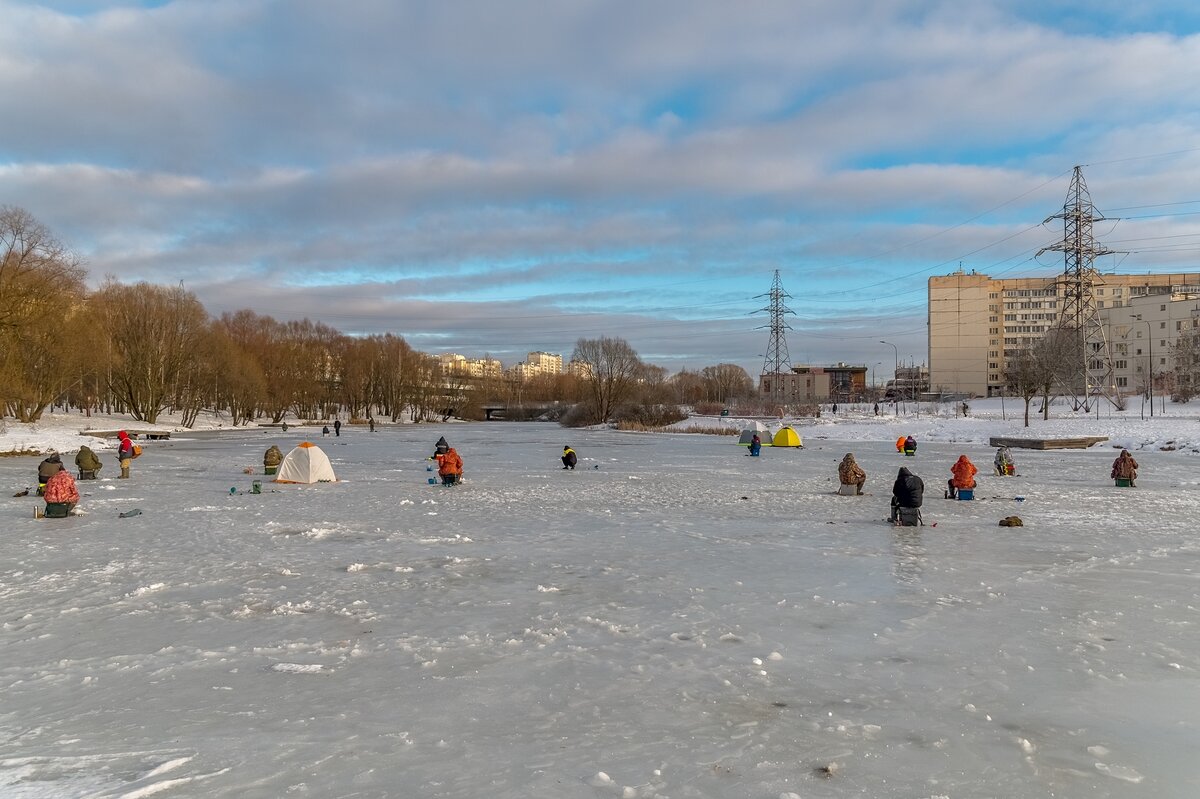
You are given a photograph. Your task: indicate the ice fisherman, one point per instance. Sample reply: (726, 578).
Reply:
(441, 446)
(124, 453)
(450, 465)
(900, 444)
(964, 476)
(325, 431)
(907, 494)
(337, 428)
(569, 458)
(271, 459)
(51, 466)
(910, 446)
(1125, 468)
(88, 462)
(61, 495)
(1004, 463)
(755, 445)
(851, 474)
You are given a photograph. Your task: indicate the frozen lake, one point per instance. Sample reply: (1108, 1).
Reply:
(682, 621)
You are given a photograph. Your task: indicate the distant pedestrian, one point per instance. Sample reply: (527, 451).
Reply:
(877, 409)
(285, 427)
(337, 427)
(371, 423)
(834, 409)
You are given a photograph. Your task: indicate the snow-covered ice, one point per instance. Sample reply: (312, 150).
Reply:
(721, 626)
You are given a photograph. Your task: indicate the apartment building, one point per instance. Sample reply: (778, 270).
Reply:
(976, 322)
(454, 364)
(538, 363)
(842, 383)
(1143, 337)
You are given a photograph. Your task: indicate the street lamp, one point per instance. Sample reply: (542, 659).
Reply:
(1150, 342)
(896, 374)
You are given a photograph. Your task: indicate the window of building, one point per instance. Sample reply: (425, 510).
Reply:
(1121, 364)
(1122, 381)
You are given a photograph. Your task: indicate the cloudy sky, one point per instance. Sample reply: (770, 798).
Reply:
(501, 176)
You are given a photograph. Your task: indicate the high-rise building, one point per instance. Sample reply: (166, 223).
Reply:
(978, 323)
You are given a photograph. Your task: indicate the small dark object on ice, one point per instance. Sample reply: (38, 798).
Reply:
(745, 497)
(24, 493)
(1012, 521)
(826, 771)
(128, 513)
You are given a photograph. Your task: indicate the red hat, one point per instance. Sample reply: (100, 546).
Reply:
(122, 434)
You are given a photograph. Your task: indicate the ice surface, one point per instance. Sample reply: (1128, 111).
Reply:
(721, 626)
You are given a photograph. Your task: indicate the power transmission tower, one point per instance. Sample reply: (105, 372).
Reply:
(777, 363)
(1088, 367)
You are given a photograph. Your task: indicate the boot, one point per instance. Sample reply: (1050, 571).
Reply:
(124, 472)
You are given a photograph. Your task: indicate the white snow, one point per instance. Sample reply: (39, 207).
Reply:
(721, 626)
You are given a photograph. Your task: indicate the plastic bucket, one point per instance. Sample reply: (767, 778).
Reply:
(1124, 482)
(256, 487)
(966, 493)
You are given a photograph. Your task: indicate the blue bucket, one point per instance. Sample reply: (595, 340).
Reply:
(966, 493)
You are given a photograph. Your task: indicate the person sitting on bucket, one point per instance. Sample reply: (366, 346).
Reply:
(964, 476)
(60, 491)
(755, 445)
(1125, 468)
(910, 446)
(88, 462)
(271, 459)
(450, 466)
(907, 492)
(47, 469)
(851, 474)
(569, 458)
(1005, 465)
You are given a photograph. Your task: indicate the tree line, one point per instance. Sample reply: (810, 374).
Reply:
(145, 350)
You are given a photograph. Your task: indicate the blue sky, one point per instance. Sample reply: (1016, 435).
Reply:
(501, 177)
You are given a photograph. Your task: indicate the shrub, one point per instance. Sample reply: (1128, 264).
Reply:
(649, 416)
(582, 414)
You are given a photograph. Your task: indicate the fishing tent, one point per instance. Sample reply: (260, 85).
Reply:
(787, 437)
(306, 464)
(751, 430)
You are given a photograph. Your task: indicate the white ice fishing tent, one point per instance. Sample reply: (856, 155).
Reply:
(750, 430)
(306, 464)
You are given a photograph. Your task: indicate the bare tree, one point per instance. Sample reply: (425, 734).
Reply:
(612, 369)
(1024, 377)
(153, 333)
(1185, 353)
(727, 381)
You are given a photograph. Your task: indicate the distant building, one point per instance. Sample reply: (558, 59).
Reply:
(538, 363)
(910, 383)
(1142, 337)
(838, 383)
(977, 324)
(579, 369)
(454, 364)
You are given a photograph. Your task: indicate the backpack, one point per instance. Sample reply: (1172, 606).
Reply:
(136, 451)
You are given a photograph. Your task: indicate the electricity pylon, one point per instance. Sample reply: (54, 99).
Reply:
(1087, 368)
(777, 363)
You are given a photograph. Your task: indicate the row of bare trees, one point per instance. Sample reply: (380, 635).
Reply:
(144, 349)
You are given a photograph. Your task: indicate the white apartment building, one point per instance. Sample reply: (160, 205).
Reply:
(538, 363)
(454, 364)
(976, 323)
(1142, 337)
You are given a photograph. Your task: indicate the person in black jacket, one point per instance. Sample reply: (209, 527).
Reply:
(569, 458)
(907, 492)
(47, 469)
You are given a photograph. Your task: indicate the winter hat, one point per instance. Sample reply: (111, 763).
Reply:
(122, 435)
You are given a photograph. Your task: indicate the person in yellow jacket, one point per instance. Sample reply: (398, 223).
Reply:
(569, 458)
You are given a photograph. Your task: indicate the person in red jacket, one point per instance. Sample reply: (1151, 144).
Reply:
(124, 452)
(964, 476)
(60, 491)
